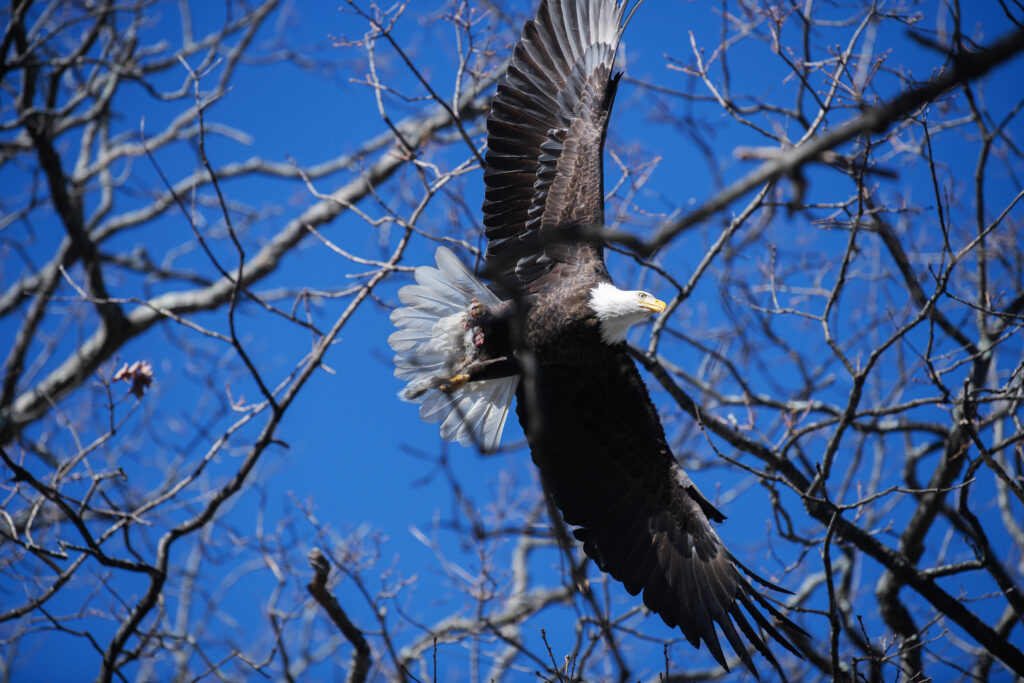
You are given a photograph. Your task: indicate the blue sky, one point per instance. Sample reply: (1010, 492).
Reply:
(359, 460)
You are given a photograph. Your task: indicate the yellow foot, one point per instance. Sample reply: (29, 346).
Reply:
(454, 384)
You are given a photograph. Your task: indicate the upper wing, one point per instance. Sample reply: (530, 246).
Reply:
(546, 129)
(601, 450)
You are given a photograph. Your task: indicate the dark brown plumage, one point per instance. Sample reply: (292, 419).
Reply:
(592, 428)
(546, 130)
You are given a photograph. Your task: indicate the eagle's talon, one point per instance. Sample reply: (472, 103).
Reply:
(454, 384)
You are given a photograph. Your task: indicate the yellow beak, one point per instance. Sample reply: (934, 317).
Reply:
(653, 305)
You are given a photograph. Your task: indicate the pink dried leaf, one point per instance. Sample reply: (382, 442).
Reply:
(139, 374)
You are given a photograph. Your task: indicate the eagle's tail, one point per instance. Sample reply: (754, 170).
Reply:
(433, 341)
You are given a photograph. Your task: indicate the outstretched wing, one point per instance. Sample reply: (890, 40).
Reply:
(545, 133)
(596, 437)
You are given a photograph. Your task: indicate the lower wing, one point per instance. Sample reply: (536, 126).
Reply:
(603, 457)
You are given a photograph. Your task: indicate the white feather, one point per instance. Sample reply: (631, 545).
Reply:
(428, 345)
(426, 301)
(452, 267)
(412, 319)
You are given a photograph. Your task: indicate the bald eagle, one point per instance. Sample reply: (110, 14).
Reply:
(557, 342)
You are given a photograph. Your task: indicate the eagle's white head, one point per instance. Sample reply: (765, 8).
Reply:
(618, 310)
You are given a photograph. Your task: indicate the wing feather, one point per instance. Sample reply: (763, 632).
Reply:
(545, 133)
(603, 458)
